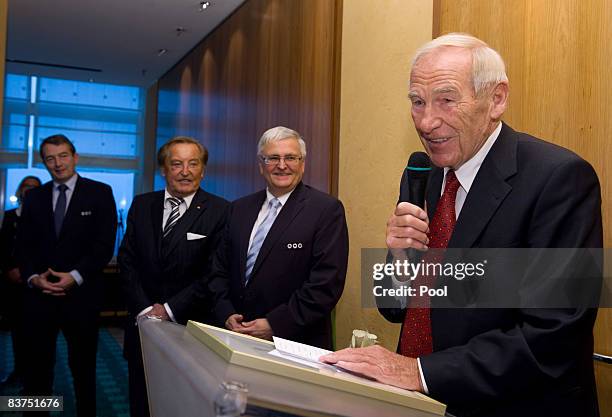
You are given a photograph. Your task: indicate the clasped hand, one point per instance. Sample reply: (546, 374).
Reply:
(59, 288)
(257, 328)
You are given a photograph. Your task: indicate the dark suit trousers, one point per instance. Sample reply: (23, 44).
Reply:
(12, 309)
(139, 400)
(44, 317)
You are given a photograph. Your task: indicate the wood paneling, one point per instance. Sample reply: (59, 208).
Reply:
(557, 53)
(273, 62)
(376, 137)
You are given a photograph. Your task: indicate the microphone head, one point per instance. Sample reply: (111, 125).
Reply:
(419, 164)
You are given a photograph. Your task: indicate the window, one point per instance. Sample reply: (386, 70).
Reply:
(105, 122)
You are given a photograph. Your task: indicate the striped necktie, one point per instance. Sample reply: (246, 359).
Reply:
(260, 236)
(174, 214)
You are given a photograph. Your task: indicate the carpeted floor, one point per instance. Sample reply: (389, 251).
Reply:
(112, 385)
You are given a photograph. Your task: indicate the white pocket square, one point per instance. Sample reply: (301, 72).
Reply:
(194, 236)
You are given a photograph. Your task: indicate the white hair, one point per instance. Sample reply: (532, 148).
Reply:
(279, 133)
(488, 68)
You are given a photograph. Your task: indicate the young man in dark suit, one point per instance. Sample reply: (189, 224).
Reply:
(168, 245)
(282, 264)
(65, 238)
(491, 187)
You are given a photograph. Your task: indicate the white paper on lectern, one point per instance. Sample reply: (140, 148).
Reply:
(299, 350)
(295, 359)
(306, 355)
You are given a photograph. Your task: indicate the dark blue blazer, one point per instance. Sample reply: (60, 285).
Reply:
(86, 241)
(156, 273)
(299, 274)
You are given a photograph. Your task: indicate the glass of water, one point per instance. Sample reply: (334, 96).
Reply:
(231, 399)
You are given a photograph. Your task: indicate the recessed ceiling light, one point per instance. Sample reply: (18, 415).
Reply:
(204, 5)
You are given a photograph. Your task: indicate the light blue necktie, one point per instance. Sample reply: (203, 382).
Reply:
(260, 235)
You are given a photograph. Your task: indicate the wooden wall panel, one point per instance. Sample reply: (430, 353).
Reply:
(376, 137)
(557, 53)
(273, 62)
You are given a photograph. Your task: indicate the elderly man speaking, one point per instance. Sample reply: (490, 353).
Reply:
(491, 187)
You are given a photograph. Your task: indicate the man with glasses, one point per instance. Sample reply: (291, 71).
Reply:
(281, 266)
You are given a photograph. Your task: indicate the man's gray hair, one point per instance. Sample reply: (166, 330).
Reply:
(279, 133)
(488, 68)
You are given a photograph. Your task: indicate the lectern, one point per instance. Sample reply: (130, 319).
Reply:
(185, 365)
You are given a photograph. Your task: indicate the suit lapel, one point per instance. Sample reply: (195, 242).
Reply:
(47, 207)
(198, 206)
(157, 216)
(292, 207)
(488, 190)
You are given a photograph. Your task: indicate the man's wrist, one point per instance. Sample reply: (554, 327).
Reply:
(76, 275)
(169, 312)
(29, 280)
(422, 382)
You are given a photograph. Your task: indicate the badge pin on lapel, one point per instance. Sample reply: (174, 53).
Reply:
(294, 245)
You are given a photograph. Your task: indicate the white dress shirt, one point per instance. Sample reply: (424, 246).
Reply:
(168, 206)
(70, 184)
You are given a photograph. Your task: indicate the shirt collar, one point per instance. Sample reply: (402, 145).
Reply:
(283, 198)
(466, 174)
(187, 199)
(71, 183)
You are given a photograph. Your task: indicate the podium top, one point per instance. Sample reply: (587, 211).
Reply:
(253, 353)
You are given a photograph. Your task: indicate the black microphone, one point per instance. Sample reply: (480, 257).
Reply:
(414, 179)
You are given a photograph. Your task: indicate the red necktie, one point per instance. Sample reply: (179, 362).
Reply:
(415, 339)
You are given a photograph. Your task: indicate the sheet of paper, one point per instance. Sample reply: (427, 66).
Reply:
(309, 356)
(295, 359)
(300, 350)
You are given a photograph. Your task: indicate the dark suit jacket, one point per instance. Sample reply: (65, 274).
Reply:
(8, 235)
(155, 274)
(299, 274)
(86, 241)
(505, 362)
(11, 294)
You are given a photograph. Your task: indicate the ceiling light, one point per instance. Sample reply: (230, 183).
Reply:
(204, 5)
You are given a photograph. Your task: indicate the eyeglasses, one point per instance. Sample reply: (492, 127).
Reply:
(274, 160)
